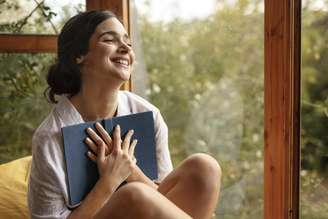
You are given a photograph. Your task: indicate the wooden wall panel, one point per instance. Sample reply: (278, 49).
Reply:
(282, 109)
(10, 43)
(115, 6)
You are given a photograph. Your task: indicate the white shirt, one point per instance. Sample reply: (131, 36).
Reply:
(47, 189)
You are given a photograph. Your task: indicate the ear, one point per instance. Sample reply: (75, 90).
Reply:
(79, 60)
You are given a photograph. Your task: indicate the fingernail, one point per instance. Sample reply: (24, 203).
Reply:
(98, 124)
(132, 131)
(117, 126)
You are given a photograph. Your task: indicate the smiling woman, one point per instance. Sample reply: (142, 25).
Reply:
(110, 53)
(95, 58)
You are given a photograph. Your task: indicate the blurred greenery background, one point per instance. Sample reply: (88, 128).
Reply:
(206, 76)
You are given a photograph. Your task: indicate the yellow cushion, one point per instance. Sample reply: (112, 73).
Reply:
(13, 188)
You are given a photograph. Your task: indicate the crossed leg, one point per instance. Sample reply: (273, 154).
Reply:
(194, 185)
(189, 191)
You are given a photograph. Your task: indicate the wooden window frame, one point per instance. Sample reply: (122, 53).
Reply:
(281, 95)
(282, 52)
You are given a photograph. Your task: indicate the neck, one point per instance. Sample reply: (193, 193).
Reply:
(96, 102)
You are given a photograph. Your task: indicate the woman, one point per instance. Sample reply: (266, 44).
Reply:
(95, 58)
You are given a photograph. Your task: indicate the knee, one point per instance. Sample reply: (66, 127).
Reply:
(203, 169)
(136, 198)
(204, 163)
(133, 192)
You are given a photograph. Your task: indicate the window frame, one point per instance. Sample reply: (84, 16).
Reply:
(282, 52)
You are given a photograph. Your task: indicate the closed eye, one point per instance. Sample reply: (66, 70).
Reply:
(108, 40)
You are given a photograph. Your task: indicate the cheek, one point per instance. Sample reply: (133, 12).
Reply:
(102, 50)
(101, 57)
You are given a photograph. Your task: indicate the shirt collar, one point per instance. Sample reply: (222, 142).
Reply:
(67, 112)
(71, 116)
(123, 107)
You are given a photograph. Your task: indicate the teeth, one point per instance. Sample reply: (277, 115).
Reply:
(122, 61)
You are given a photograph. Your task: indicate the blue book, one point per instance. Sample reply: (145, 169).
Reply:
(82, 173)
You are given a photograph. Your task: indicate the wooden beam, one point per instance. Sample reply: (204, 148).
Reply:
(282, 109)
(22, 43)
(119, 7)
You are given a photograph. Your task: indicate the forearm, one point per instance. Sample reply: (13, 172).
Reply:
(139, 176)
(95, 200)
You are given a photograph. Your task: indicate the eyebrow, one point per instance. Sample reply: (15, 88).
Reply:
(111, 32)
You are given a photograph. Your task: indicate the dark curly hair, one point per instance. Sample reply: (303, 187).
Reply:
(64, 77)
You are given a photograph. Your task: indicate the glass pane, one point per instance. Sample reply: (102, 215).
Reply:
(37, 16)
(201, 63)
(22, 82)
(314, 138)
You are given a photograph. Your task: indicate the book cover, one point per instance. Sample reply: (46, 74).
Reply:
(82, 173)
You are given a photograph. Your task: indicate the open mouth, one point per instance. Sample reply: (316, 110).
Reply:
(121, 61)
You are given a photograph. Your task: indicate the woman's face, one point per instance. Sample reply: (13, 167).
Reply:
(110, 54)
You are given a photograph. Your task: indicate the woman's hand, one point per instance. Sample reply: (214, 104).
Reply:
(118, 162)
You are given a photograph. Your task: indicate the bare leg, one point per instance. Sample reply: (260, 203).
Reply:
(137, 200)
(194, 186)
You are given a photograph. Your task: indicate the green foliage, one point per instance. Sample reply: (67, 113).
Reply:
(315, 92)
(22, 80)
(314, 141)
(314, 192)
(35, 21)
(206, 76)
(22, 104)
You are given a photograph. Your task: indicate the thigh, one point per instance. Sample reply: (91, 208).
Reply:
(196, 166)
(171, 180)
(137, 200)
(194, 185)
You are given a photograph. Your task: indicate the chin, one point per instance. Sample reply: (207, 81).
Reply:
(124, 75)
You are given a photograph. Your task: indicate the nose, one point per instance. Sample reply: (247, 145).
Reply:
(124, 47)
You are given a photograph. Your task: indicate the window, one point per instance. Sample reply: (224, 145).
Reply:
(204, 70)
(314, 119)
(281, 91)
(36, 16)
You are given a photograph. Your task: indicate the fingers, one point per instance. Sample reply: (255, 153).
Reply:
(132, 148)
(95, 141)
(92, 156)
(126, 142)
(101, 153)
(99, 148)
(97, 144)
(117, 139)
(104, 134)
(91, 145)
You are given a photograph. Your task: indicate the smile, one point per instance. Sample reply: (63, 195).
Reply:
(122, 61)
